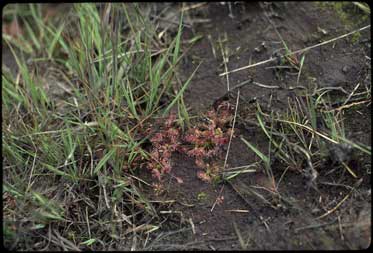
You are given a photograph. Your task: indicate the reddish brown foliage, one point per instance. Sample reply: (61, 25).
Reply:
(203, 142)
(164, 143)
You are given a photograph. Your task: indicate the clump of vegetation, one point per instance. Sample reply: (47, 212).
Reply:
(207, 139)
(203, 142)
(164, 143)
(308, 136)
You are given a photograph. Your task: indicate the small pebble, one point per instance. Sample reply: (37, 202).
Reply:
(315, 210)
(345, 69)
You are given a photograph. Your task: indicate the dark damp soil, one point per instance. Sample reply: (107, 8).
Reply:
(289, 222)
(250, 217)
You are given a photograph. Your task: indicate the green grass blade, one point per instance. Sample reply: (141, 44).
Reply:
(181, 91)
(104, 160)
(262, 156)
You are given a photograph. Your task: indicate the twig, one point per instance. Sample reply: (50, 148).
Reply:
(343, 200)
(192, 224)
(225, 61)
(86, 124)
(266, 86)
(241, 167)
(212, 46)
(234, 122)
(295, 52)
(340, 227)
(240, 238)
(330, 88)
(216, 201)
(237, 211)
(250, 81)
(192, 6)
(265, 223)
(300, 68)
(352, 93)
(32, 171)
(335, 208)
(105, 197)
(336, 184)
(349, 169)
(347, 106)
(87, 219)
(241, 84)
(310, 130)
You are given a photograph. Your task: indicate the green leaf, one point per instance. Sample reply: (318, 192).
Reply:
(56, 38)
(104, 160)
(181, 91)
(57, 171)
(89, 242)
(262, 156)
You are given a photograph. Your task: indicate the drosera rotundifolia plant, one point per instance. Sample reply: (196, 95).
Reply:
(207, 139)
(164, 143)
(204, 142)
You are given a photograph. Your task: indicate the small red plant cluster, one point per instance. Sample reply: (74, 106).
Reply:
(204, 142)
(164, 143)
(207, 140)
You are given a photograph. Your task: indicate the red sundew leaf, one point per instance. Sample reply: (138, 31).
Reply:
(153, 165)
(200, 142)
(165, 160)
(196, 133)
(195, 139)
(167, 154)
(157, 138)
(200, 163)
(189, 138)
(211, 114)
(173, 132)
(156, 174)
(197, 152)
(225, 106)
(150, 166)
(220, 141)
(212, 126)
(207, 133)
(166, 168)
(173, 139)
(182, 149)
(220, 200)
(229, 132)
(204, 177)
(148, 130)
(203, 141)
(158, 188)
(170, 120)
(213, 152)
(155, 154)
(174, 147)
